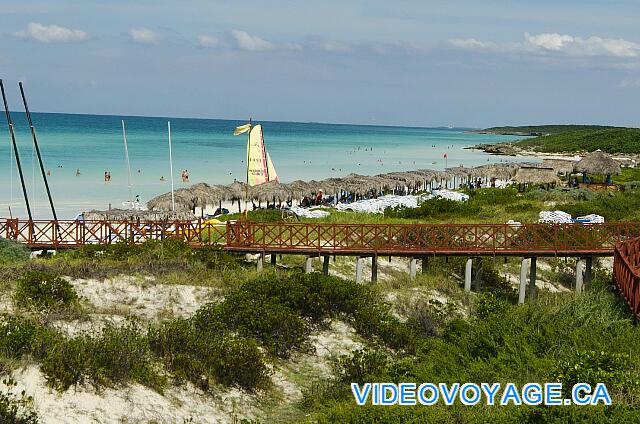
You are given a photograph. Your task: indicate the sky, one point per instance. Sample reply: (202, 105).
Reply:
(405, 62)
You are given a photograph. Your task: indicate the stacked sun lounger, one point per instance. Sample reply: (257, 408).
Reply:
(560, 217)
(450, 195)
(555, 217)
(380, 204)
(308, 213)
(590, 219)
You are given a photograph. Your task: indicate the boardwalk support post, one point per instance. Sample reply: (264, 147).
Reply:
(359, 266)
(273, 259)
(522, 289)
(467, 275)
(579, 275)
(479, 275)
(588, 273)
(308, 265)
(413, 268)
(325, 265)
(425, 264)
(532, 279)
(374, 268)
(260, 264)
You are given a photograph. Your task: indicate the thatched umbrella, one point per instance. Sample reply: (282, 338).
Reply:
(237, 190)
(270, 191)
(184, 201)
(598, 163)
(358, 184)
(129, 215)
(206, 194)
(561, 166)
(299, 189)
(534, 175)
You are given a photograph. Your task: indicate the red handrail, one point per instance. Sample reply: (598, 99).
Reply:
(626, 272)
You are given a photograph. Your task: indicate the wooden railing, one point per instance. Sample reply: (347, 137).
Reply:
(626, 272)
(60, 234)
(392, 239)
(439, 239)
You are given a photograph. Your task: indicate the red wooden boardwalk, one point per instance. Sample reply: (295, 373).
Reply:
(618, 239)
(345, 239)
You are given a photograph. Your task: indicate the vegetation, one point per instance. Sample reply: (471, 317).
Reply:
(44, 291)
(16, 409)
(558, 339)
(610, 140)
(544, 129)
(13, 252)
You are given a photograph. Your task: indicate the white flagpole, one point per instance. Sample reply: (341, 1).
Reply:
(173, 199)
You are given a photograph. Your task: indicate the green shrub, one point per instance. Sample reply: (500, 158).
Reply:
(44, 291)
(16, 409)
(208, 355)
(115, 355)
(612, 369)
(17, 336)
(361, 366)
(13, 251)
(277, 327)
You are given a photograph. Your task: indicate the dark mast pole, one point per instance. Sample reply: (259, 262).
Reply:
(35, 143)
(15, 150)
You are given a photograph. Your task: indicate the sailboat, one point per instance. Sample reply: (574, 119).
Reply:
(260, 167)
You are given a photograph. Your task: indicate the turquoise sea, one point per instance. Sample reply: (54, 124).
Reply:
(210, 152)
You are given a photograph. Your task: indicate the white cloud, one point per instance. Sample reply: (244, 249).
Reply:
(472, 44)
(51, 34)
(558, 44)
(144, 36)
(246, 41)
(332, 46)
(630, 83)
(578, 46)
(208, 41)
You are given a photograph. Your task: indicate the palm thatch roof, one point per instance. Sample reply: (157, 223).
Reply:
(206, 194)
(184, 200)
(534, 175)
(130, 215)
(237, 190)
(561, 166)
(270, 191)
(598, 163)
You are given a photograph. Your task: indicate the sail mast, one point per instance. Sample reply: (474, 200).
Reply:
(173, 199)
(126, 156)
(35, 143)
(15, 150)
(246, 188)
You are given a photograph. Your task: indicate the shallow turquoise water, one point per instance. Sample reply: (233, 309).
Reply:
(209, 151)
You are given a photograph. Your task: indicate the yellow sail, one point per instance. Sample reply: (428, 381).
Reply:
(271, 170)
(257, 172)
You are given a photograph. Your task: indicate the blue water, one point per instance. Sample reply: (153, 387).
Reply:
(209, 151)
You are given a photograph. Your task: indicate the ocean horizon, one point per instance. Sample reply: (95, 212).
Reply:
(78, 149)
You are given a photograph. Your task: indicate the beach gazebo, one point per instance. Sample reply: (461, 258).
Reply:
(536, 176)
(598, 163)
